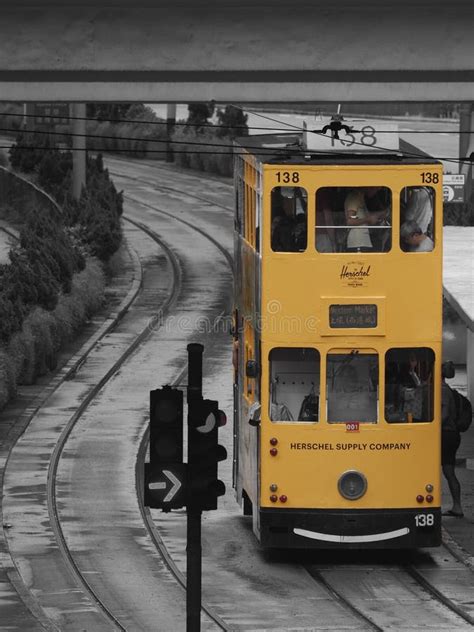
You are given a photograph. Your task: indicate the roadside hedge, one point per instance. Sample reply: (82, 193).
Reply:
(55, 279)
(95, 217)
(204, 151)
(33, 350)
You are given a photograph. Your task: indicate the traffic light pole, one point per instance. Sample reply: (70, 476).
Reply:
(193, 571)
(193, 548)
(169, 483)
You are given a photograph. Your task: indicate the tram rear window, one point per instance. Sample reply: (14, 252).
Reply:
(417, 219)
(353, 219)
(409, 394)
(289, 227)
(294, 384)
(352, 381)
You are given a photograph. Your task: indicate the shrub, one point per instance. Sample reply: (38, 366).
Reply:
(233, 121)
(33, 350)
(28, 151)
(204, 151)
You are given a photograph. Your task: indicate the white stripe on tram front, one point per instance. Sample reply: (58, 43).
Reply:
(374, 537)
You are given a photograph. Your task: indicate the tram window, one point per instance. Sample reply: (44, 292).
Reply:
(409, 382)
(352, 384)
(289, 219)
(294, 384)
(353, 219)
(417, 219)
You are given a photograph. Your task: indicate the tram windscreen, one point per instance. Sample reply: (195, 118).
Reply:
(409, 395)
(352, 381)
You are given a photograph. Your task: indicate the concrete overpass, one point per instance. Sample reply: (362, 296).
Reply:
(260, 50)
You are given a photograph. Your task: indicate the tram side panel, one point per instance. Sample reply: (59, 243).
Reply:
(247, 389)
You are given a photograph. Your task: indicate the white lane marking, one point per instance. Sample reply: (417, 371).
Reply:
(374, 537)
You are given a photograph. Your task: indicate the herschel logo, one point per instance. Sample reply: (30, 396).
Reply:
(354, 273)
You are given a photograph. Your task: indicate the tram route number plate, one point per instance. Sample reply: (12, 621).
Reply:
(352, 316)
(424, 520)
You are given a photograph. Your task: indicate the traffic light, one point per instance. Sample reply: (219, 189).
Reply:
(166, 426)
(165, 475)
(204, 453)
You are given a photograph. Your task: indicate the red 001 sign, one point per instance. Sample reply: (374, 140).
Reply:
(352, 426)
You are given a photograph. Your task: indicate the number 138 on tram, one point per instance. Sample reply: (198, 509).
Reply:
(337, 339)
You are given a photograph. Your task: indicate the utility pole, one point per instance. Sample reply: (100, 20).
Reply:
(78, 148)
(170, 123)
(28, 116)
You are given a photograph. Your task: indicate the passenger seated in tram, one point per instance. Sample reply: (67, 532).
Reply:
(325, 230)
(413, 239)
(359, 218)
(289, 219)
(419, 207)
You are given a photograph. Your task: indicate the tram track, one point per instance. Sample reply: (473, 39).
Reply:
(363, 590)
(169, 189)
(51, 497)
(52, 501)
(57, 452)
(145, 511)
(338, 595)
(438, 595)
(60, 444)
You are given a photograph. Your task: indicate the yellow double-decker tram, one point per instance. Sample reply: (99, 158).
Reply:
(337, 340)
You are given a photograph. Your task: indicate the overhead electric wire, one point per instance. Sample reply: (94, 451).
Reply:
(386, 149)
(129, 138)
(223, 146)
(148, 151)
(142, 122)
(206, 125)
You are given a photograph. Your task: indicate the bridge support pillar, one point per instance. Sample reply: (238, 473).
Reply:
(78, 148)
(470, 364)
(466, 144)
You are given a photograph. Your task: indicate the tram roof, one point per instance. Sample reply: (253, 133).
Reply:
(287, 149)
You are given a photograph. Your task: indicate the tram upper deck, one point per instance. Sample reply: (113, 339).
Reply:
(345, 244)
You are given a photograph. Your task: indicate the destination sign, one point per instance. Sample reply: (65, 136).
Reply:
(365, 136)
(353, 316)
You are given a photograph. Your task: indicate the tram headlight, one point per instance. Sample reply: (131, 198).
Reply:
(352, 485)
